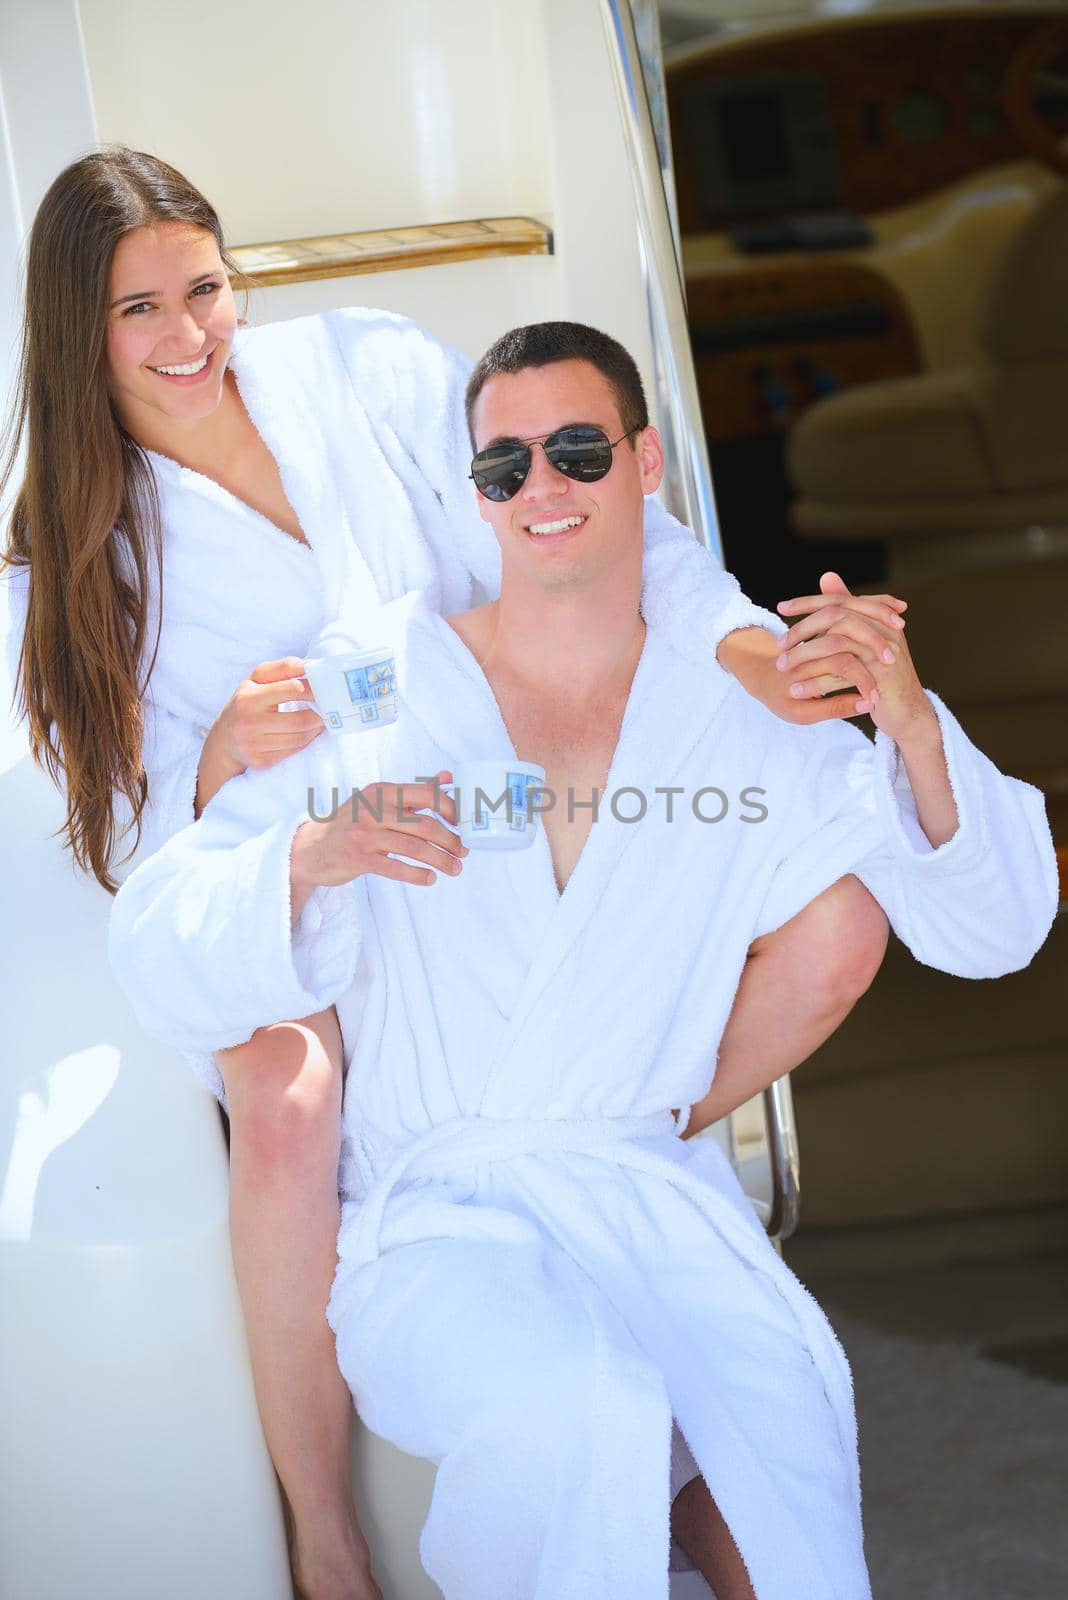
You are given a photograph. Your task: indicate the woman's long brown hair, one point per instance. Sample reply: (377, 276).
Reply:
(86, 519)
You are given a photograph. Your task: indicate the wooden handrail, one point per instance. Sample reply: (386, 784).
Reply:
(346, 255)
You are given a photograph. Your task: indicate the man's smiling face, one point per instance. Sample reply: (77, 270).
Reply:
(555, 532)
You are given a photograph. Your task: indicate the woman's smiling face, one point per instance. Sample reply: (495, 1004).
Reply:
(171, 322)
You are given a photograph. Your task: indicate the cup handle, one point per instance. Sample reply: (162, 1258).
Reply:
(301, 702)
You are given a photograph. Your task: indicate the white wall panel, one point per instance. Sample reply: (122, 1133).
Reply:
(334, 115)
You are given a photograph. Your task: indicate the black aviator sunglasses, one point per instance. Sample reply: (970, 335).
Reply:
(582, 453)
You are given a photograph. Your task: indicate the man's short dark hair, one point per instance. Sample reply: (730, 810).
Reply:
(540, 344)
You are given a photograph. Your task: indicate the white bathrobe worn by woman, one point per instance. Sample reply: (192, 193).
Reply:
(364, 414)
(536, 1274)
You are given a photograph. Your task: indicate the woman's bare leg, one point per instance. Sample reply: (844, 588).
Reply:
(798, 985)
(284, 1093)
(700, 1530)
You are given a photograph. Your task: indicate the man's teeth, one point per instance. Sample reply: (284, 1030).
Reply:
(185, 371)
(555, 527)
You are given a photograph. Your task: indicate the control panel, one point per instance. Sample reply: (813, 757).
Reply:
(767, 343)
(856, 113)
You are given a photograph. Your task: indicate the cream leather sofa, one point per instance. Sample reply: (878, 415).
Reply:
(978, 449)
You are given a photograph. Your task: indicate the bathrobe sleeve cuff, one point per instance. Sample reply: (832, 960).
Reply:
(324, 944)
(200, 939)
(899, 813)
(688, 596)
(325, 940)
(292, 971)
(982, 903)
(978, 906)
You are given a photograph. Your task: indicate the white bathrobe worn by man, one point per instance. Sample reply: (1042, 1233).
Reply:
(536, 1273)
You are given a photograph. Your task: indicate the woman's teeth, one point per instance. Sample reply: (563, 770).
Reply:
(555, 527)
(185, 371)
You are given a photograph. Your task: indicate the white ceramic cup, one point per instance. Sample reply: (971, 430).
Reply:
(355, 690)
(496, 808)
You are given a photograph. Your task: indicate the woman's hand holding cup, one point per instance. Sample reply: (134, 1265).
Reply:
(374, 827)
(250, 731)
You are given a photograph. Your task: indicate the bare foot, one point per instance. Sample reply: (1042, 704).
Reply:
(317, 1576)
(326, 1568)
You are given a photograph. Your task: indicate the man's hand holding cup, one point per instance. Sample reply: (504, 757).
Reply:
(382, 829)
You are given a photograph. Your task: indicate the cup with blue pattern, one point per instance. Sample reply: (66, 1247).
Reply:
(356, 690)
(498, 803)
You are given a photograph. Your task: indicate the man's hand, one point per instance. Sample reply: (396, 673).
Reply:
(830, 662)
(859, 638)
(370, 831)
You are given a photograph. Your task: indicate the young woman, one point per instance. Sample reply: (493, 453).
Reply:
(196, 497)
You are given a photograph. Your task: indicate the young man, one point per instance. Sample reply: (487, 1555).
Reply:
(537, 1274)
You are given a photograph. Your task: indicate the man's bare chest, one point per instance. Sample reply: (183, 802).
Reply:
(576, 747)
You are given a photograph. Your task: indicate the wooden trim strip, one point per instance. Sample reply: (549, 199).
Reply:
(389, 250)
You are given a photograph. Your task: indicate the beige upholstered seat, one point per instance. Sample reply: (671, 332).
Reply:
(941, 1095)
(979, 449)
(938, 1096)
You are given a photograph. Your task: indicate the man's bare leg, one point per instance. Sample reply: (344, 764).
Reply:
(700, 1530)
(798, 985)
(284, 1093)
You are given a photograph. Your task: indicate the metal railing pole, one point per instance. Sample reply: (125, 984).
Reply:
(688, 481)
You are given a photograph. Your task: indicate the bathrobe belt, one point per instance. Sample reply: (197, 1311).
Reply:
(465, 1142)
